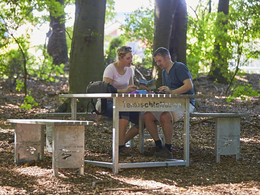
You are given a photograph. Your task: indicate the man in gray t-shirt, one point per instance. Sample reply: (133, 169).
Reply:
(176, 79)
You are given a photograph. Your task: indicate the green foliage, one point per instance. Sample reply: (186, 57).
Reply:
(110, 10)
(140, 26)
(244, 30)
(237, 39)
(239, 44)
(29, 102)
(222, 46)
(199, 42)
(110, 55)
(11, 64)
(19, 85)
(243, 91)
(14, 62)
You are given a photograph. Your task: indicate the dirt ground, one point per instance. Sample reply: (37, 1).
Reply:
(203, 176)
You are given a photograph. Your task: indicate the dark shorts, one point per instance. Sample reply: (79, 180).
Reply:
(131, 116)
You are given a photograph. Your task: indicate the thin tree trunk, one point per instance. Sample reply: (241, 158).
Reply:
(57, 45)
(219, 66)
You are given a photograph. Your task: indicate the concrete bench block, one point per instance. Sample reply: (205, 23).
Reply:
(227, 137)
(227, 132)
(29, 143)
(65, 138)
(68, 147)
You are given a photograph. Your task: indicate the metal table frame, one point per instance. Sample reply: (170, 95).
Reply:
(141, 103)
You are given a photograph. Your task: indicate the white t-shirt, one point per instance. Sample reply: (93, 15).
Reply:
(119, 81)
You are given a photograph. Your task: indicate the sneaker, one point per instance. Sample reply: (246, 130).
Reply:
(125, 151)
(164, 153)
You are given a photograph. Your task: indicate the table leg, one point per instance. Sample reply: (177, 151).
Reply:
(74, 108)
(49, 137)
(187, 133)
(115, 152)
(141, 133)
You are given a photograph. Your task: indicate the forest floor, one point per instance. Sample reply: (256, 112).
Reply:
(203, 176)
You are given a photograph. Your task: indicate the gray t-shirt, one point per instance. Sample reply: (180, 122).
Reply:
(174, 79)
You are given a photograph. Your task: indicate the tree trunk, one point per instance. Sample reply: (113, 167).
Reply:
(164, 13)
(219, 66)
(57, 45)
(178, 39)
(87, 53)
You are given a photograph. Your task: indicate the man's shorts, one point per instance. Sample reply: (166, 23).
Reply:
(176, 115)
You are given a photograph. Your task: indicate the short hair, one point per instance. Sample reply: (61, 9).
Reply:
(162, 51)
(122, 51)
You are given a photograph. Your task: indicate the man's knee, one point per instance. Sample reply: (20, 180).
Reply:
(165, 118)
(148, 116)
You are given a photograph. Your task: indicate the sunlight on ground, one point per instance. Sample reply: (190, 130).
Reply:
(140, 183)
(252, 140)
(10, 190)
(151, 185)
(34, 171)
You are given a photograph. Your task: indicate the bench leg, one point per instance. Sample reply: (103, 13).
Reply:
(227, 137)
(68, 147)
(49, 138)
(28, 143)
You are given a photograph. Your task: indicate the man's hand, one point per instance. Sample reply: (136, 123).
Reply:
(187, 85)
(164, 89)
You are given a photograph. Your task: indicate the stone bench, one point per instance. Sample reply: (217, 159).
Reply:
(227, 132)
(68, 142)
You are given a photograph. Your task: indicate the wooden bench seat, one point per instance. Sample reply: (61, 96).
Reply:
(68, 141)
(227, 132)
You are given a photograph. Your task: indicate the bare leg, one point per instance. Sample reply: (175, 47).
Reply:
(123, 124)
(150, 123)
(166, 122)
(132, 132)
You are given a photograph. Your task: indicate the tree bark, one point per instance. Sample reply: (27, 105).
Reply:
(87, 53)
(164, 13)
(178, 41)
(57, 45)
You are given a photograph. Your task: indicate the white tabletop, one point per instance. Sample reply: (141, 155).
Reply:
(111, 95)
(49, 121)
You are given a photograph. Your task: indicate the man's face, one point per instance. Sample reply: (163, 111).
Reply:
(161, 61)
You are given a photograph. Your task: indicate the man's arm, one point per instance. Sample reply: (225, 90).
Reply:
(187, 85)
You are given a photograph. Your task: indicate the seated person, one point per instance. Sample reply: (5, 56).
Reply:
(120, 74)
(176, 79)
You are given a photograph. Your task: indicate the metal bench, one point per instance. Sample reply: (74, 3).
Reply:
(60, 115)
(227, 132)
(68, 142)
